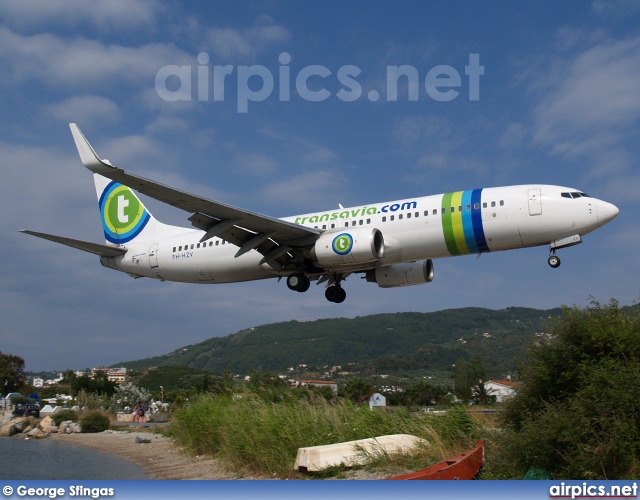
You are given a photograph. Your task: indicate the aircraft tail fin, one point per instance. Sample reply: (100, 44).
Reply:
(124, 217)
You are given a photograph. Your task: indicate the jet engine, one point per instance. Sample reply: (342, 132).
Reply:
(352, 246)
(407, 274)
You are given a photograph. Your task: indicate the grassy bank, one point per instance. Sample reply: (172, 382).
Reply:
(250, 433)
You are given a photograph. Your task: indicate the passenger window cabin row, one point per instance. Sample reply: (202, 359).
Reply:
(362, 222)
(198, 245)
(476, 206)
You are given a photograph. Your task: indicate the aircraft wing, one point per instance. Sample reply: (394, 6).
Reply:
(87, 246)
(218, 219)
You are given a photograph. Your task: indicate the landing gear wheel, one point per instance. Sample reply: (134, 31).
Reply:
(335, 294)
(298, 282)
(554, 261)
(305, 283)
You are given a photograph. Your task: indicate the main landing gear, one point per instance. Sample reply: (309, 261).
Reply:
(335, 293)
(298, 282)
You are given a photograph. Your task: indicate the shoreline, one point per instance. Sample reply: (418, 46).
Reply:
(160, 459)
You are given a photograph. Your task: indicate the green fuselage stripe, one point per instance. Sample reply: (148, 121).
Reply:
(456, 210)
(447, 225)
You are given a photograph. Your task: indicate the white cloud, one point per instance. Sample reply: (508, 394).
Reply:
(110, 15)
(45, 189)
(307, 151)
(231, 43)
(256, 164)
(596, 102)
(513, 136)
(166, 124)
(85, 110)
(438, 147)
(315, 190)
(79, 62)
(615, 8)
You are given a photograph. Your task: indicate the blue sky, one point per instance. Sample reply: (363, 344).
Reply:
(559, 103)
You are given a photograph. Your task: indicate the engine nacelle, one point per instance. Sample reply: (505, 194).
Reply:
(352, 246)
(407, 274)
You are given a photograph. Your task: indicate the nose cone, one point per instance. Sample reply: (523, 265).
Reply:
(606, 212)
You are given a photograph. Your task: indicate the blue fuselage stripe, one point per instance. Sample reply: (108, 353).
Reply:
(476, 220)
(467, 222)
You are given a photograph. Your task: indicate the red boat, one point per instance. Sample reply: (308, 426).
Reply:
(464, 466)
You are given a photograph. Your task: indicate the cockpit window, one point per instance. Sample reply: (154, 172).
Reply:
(574, 194)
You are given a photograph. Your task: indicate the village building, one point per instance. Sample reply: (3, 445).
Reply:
(500, 390)
(318, 383)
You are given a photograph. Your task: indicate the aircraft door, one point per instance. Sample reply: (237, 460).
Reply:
(535, 205)
(153, 255)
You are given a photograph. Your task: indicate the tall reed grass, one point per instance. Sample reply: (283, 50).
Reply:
(250, 433)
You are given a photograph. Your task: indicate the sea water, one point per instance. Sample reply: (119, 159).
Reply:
(48, 459)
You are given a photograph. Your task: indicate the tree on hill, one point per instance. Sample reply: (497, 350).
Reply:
(578, 412)
(357, 390)
(470, 378)
(12, 376)
(421, 394)
(383, 343)
(99, 384)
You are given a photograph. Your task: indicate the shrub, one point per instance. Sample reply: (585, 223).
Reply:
(64, 415)
(94, 421)
(265, 436)
(578, 413)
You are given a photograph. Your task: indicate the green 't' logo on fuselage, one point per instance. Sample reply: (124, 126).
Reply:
(342, 244)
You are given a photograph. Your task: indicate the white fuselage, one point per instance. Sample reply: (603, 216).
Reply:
(430, 227)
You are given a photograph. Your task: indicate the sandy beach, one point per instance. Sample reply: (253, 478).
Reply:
(161, 459)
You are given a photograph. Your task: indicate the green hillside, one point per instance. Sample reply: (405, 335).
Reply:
(381, 343)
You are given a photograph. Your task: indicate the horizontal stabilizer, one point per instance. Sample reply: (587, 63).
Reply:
(87, 246)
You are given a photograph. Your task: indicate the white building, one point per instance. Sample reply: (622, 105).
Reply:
(318, 383)
(501, 390)
(377, 400)
(117, 375)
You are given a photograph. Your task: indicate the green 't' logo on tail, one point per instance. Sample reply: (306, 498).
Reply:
(123, 216)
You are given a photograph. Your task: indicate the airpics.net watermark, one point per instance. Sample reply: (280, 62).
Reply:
(256, 83)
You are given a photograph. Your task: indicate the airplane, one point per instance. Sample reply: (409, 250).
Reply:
(393, 244)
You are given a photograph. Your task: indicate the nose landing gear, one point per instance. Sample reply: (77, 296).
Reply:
(569, 241)
(553, 260)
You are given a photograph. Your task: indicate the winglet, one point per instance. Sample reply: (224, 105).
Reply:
(88, 156)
